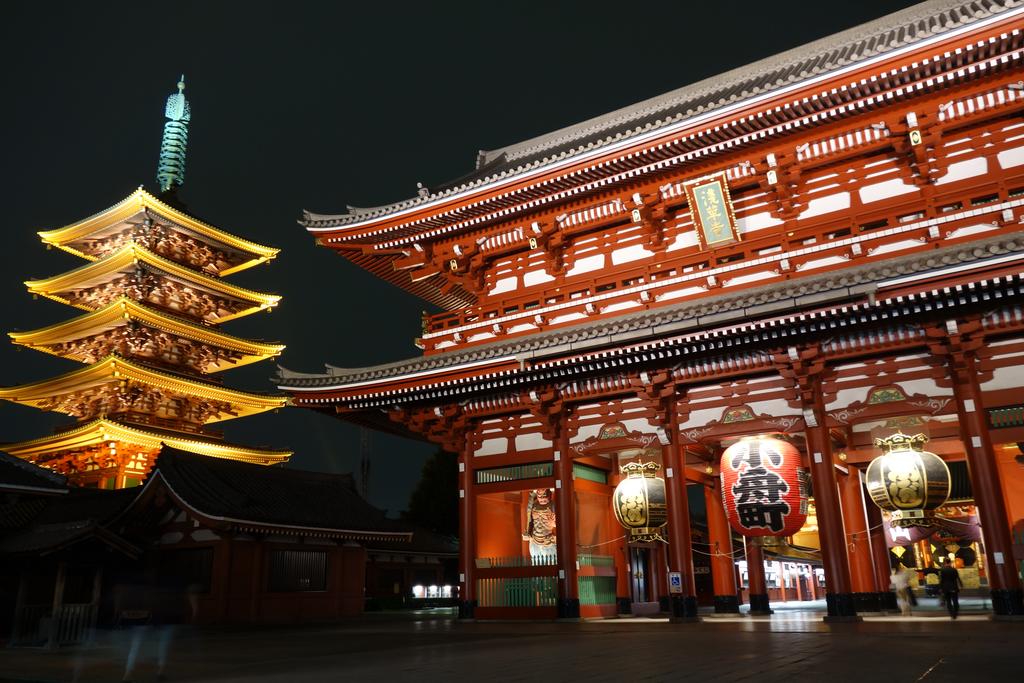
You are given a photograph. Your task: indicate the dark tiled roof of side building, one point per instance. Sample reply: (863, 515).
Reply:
(423, 541)
(17, 474)
(270, 496)
(884, 35)
(48, 524)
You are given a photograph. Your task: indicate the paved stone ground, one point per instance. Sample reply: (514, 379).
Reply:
(787, 646)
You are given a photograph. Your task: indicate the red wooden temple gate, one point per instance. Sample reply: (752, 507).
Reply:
(824, 245)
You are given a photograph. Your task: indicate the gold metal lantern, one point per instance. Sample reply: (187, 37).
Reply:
(639, 501)
(907, 480)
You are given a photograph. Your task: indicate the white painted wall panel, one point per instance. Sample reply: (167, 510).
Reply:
(587, 264)
(531, 442)
(1009, 158)
(536, 277)
(823, 205)
(505, 284)
(754, 222)
(492, 447)
(884, 190)
(964, 169)
(633, 252)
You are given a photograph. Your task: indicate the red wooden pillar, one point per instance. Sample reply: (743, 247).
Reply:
(757, 587)
(53, 637)
(682, 607)
(467, 533)
(351, 579)
(838, 592)
(623, 594)
(659, 574)
(858, 544)
(723, 571)
(565, 525)
(257, 582)
(223, 555)
(1004, 582)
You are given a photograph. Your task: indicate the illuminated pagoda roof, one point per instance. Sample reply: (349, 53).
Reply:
(112, 371)
(125, 261)
(101, 431)
(124, 312)
(86, 237)
(153, 293)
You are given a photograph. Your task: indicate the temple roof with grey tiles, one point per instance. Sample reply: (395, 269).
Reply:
(769, 301)
(792, 67)
(18, 475)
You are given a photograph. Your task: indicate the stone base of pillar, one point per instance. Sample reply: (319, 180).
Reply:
(727, 604)
(888, 601)
(624, 605)
(1007, 603)
(683, 609)
(466, 609)
(759, 605)
(867, 602)
(568, 608)
(841, 607)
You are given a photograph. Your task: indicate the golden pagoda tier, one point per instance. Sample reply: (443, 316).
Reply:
(131, 329)
(144, 220)
(117, 386)
(137, 273)
(116, 455)
(153, 292)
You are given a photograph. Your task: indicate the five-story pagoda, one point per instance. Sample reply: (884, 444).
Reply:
(154, 296)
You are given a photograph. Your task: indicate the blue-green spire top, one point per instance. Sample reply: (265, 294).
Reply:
(171, 170)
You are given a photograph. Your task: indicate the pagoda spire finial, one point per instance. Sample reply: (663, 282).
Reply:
(171, 170)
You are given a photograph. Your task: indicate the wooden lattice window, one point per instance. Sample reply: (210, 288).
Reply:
(293, 571)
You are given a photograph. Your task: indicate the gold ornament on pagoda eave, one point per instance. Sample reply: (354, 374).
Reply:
(639, 502)
(907, 480)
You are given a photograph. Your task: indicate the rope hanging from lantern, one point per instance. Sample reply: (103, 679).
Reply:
(717, 553)
(582, 546)
(866, 532)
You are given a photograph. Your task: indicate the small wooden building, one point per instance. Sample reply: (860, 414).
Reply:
(227, 542)
(255, 544)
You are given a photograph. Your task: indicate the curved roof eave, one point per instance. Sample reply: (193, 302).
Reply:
(768, 77)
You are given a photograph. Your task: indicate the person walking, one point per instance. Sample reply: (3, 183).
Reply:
(950, 583)
(901, 586)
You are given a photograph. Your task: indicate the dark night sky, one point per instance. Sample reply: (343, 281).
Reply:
(315, 105)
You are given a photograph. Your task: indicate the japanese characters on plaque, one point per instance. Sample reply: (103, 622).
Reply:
(763, 488)
(711, 208)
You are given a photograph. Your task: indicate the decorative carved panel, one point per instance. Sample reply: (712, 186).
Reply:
(167, 242)
(156, 346)
(163, 292)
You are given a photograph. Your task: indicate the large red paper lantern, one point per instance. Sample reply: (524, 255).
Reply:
(763, 487)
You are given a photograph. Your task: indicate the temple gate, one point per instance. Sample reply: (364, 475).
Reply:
(824, 246)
